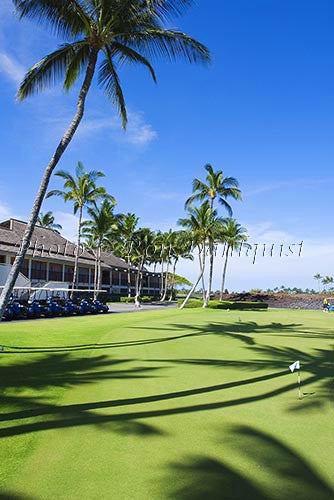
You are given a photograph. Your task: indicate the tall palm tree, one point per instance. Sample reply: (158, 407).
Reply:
(47, 220)
(81, 190)
(202, 223)
(216, 187)
(233, 235)
(119, 32)
(143, 250)
(100, 228)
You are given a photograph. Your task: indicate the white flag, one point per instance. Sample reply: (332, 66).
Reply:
(295, 366)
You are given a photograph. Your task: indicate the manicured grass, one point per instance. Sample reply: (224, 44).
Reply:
(189, 405)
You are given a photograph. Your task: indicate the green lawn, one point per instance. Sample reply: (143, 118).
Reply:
(185, 405)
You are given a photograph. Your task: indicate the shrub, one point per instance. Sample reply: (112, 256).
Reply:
(127, 300)
(192, 303)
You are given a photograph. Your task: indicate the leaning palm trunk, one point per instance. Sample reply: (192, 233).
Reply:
(208, 293)
(202, 269)
(224, 275)
(66, 139)
(77, 250)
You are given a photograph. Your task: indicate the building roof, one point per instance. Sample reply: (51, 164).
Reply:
(46, 244)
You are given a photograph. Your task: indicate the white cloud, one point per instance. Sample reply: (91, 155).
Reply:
(69, 223)
(11, 68)
(270, 271)
(7, 213)
(138, 132)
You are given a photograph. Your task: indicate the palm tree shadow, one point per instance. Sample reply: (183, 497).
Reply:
(289, 473)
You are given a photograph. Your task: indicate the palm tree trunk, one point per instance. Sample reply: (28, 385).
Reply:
(129, 275)
(95, 275)
(166, 282)
(173, 281)
(99, 271)
(63, 144)
(208, 293)
(202, 269)
(224, 275)
(77, 250)
(138, 283)
(162, 279)
(202, 278)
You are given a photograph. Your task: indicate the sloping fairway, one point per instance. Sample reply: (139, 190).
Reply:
(185, 405)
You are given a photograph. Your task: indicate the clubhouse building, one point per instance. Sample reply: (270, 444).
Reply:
(50, 258)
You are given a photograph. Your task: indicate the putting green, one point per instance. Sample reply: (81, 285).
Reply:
(190, 405)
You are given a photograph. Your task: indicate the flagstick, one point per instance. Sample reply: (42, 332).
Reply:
(299, 388)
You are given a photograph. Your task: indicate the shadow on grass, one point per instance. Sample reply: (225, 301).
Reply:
(62, 370)
(10, 496)
(283, 473)
(235, 331)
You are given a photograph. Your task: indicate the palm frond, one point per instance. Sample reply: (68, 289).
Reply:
(108, 78)
(128, 55)
(227, 206)
(169, 44)
(66, 18)
(49, 70)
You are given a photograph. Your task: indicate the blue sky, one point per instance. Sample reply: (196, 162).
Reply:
(263, 112)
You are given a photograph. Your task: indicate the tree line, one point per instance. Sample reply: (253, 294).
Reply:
(106, 231)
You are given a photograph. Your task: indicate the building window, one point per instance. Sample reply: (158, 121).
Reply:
(145, 282)
(115, 278)
(69, 271)
(154, 282)
(38, 270)
(55, 272)
(2, 259)
(124, 278)
(105, 277)
(83, 276)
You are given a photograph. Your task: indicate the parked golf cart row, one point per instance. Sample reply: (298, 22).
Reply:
(52, 307)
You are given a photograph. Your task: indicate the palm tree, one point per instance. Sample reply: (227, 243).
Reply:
(47, 220)
(318, 277)
(81, 190)
(202, 223)
(120, 32)
(327, 280)
(168, 239)
(102, 226)
(216, 187)
(233, 236)
(143, 250)
(127, 229)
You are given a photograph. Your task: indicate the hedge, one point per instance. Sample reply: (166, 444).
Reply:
(225, 304)
(144, 300)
